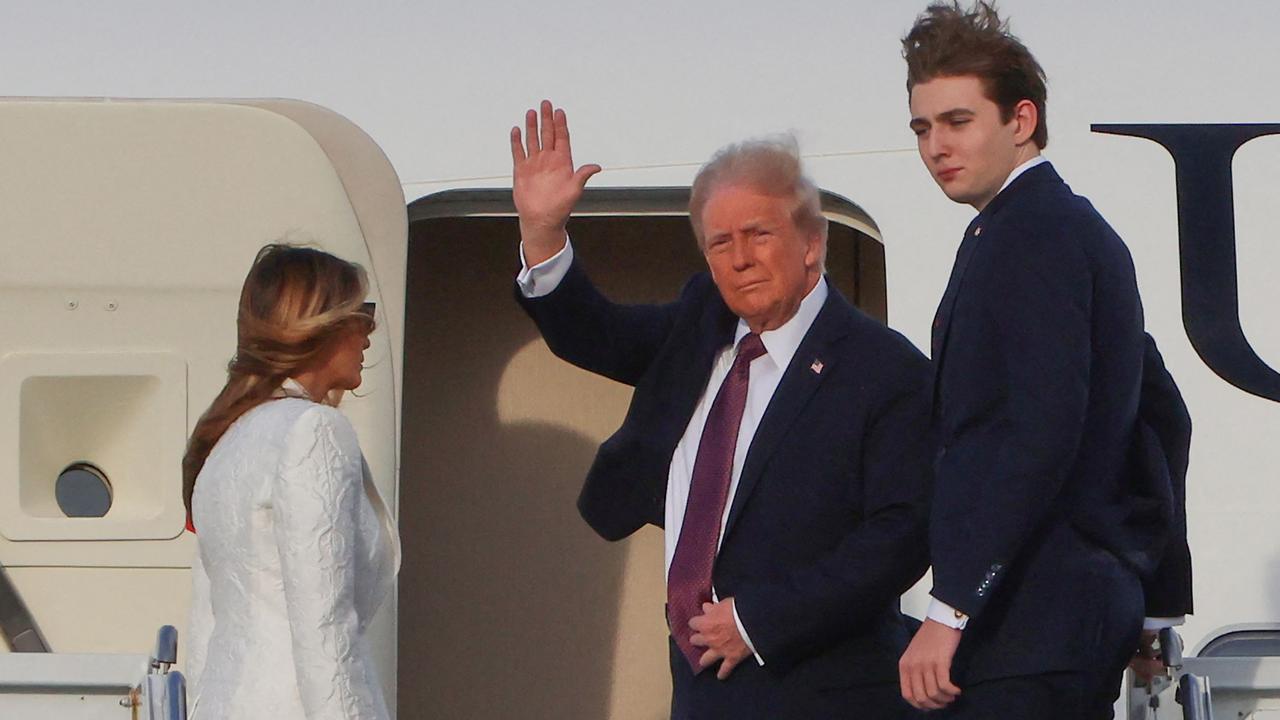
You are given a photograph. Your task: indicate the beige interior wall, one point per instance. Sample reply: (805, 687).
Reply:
(510, 606)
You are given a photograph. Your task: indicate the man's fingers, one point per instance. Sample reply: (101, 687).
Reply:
(560, 130)
(708, 658)
(726, 667)
(1140, 672)
(922, 692)
(931, 687)
(945, 684)
(582, 176)
(700, 640)
(517, 147)
(1146, 669)
(916, 682)
(531, 131)
(696, 623)
(548, 127)
(930, 684)
(940, 695)
(945, 692)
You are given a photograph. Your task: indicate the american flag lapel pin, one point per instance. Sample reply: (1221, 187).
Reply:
(816, 367)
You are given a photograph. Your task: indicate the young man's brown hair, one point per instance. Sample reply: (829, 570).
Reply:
(949, 41)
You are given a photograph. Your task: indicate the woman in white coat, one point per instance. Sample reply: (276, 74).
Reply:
(296, 548)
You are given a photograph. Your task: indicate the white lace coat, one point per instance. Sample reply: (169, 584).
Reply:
(296, 553)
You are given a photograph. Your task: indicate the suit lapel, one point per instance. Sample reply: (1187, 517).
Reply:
(811, 365)
(1039, 175)
(942, 320)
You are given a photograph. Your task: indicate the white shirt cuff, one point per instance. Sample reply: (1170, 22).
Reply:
(1160, 623)
(543, 278)
(943, 613)
(745, 638)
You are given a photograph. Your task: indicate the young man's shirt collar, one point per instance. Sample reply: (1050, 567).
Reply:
(1037, 160)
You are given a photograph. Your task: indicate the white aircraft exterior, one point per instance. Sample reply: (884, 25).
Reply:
(126, 227)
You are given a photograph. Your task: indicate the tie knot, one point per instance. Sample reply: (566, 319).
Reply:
(750, 348)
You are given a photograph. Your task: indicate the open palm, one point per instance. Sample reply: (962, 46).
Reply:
(545, 185)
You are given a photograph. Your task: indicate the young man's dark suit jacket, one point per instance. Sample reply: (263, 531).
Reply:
(1053, 482)
(828, 524)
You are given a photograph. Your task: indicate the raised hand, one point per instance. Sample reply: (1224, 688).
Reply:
(544, 183)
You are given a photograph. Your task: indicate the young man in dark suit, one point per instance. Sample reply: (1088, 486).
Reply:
(1047, 460)
(778, 435)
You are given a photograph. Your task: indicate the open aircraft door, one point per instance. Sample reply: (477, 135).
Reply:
(518, 609)
(126, 229)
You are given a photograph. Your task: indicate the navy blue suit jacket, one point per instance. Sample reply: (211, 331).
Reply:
(828, 524)
(1053, 484)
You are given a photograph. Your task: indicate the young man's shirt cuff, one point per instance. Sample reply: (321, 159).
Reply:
(943, 613)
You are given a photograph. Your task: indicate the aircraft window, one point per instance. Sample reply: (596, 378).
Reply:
(82, 490)
(1245, 643)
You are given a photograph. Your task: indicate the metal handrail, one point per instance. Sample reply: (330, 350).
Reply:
(16, 623)
(162, 694)
(1195, 697)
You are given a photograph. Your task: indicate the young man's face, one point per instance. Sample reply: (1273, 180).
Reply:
(964, 143)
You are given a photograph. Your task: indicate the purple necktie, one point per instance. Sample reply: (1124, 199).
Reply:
(689, 580)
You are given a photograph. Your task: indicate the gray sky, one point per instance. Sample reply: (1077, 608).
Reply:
(438, 84)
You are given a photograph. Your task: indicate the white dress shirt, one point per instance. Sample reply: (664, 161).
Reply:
(1025, 166)
(942, 612)
(766, 372)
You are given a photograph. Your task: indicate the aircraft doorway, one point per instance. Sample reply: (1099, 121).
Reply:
(509, 605)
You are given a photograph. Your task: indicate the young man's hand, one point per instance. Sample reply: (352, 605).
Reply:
(924, 670)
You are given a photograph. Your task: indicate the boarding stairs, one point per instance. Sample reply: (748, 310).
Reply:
(1233, 675)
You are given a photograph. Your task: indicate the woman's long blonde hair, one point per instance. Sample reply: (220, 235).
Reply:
(294, 301)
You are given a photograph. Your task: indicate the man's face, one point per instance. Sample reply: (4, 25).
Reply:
(967, 148)
(762, 263)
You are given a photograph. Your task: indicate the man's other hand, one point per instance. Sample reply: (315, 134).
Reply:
(717, 631)
(544, 185)
(925, 668)
(1147, 663)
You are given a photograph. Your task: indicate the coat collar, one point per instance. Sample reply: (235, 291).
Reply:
(1033, 176)
(291, 388)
